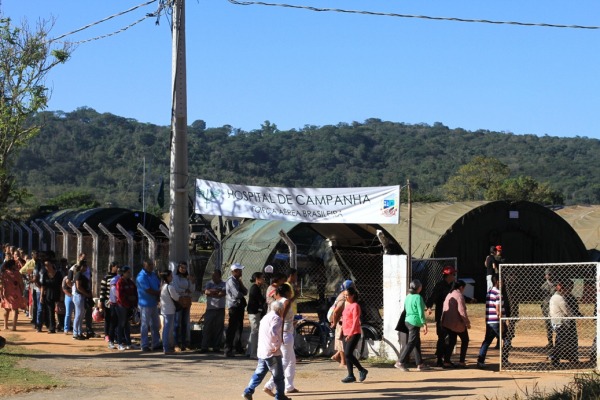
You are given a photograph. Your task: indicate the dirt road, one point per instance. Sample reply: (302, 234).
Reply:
(91, 371)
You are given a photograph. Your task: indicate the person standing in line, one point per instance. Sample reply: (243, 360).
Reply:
(67, 288)
(214, 317)
(352, 333)
(80, 295)
(456, 322)
(562, 311)
(148, 287)
(415, 319)
(492, 264)
(51, 293)
(336, 322)
(104, 303)
(494, 310)
(256, 307)
(287, 348)
(127, 302)
(548, 288)
(185, 284)
(168, 296)
(269, 353)
(11, 293)
(437, 298)
(236, 304)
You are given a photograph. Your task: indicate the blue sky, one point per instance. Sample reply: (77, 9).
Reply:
(249, 64)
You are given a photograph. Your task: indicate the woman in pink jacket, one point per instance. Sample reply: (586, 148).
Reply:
(456, 323)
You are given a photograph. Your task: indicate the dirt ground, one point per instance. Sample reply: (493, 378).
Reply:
(91, 371)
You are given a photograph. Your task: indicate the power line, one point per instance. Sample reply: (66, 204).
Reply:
(381, 14)
(106, 19)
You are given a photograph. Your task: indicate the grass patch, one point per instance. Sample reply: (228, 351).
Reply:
(15, 379)
(584, 386)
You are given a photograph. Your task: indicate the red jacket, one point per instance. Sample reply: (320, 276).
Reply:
(126, 293)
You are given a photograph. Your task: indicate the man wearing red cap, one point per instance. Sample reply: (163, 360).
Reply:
(437, 297)
(492, 264)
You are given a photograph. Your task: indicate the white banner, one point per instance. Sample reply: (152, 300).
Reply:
(367, 205)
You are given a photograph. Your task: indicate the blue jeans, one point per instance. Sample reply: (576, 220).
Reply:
(182, 327)
(273, 364)
(123, 331)
(491, 331)
(69, 308)
(167, 333)
(150, 320)
(39, 311)
(79, 302)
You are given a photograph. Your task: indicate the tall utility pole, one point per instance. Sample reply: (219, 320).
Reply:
(178, 210)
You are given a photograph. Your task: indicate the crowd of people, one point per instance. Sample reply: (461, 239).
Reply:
(59, 298)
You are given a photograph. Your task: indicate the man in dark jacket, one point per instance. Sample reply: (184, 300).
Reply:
(437, 297)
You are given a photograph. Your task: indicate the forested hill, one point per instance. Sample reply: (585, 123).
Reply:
(103, 153)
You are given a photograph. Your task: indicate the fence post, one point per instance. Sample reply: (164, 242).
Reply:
(151, 244)
(20, 230)
(65, 240)
(292, 247)
(40, 233)
(29, 237)
(217, 243)
(111, 241)
(79, 238)
(52, 236)
(95, 253)
(129, 238)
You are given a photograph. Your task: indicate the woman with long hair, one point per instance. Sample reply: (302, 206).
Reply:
(455, 322)
(81, 292)
(51, 293)
(11, 293)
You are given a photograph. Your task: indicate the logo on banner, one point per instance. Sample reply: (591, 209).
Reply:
(389, 208)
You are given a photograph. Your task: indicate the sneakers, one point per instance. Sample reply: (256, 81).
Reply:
(400, 366)
(132, 347)
(146, 349)
(247, 396)
(122, 348)
(111, 345)
(269, 392)
(294, 390)
(362, 375)
(349, 379)
(480, 365)
(423, 367)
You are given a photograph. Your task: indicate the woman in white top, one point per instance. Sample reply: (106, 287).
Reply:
(185, 284)
(168, 296)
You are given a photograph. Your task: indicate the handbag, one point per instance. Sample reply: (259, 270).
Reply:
(178, 305)
(185, 301)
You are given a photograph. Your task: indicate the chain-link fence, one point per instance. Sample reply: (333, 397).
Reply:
(429, 272)
(551, 316)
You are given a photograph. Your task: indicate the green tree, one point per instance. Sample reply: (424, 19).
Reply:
(472, 181)
(74, 199)
(525, 188)
(26, 58)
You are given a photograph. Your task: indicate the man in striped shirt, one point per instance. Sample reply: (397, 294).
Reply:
(494, 309)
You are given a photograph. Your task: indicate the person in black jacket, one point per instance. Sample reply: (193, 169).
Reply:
(256, 309)
(437, 297)
(110, 323)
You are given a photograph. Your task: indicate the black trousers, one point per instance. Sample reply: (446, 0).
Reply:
(236, 325)
(351, 360)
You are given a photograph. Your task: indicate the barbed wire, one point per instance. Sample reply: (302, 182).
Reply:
(56, 39)
(382, 14)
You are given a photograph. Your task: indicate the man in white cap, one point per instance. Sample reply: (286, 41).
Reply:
(236, 303)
